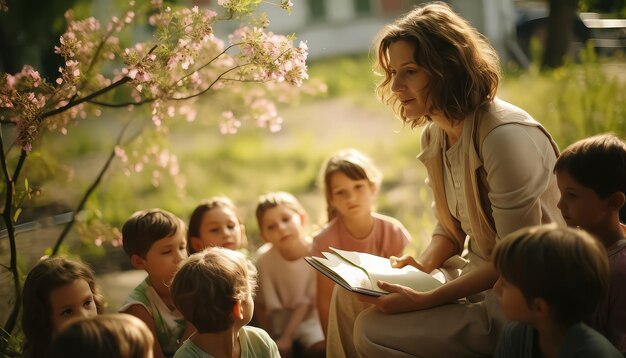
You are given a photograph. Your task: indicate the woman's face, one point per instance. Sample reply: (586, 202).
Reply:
(408, 80)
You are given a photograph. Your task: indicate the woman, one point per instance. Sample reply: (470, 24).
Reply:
(489, 165)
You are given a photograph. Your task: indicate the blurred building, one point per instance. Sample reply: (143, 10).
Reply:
(340, 27)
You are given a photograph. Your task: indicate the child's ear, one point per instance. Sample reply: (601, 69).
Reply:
(238, 310)
(617, 200)
(138, 262)
(374, 188)
(196, 244)
(540, 307)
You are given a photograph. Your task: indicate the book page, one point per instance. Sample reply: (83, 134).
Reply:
(379, 268)
(351, 275)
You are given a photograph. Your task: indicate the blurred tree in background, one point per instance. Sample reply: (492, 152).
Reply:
(102, 67)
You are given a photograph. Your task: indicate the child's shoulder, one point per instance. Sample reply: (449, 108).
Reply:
(389, 219)
(144, 295)
(267, 252)
(263, 250)
(583, 341)
(329, 229)
(392, 224)
(617, 259)
(255, 341)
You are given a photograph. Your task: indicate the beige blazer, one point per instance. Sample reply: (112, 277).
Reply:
(536, 205)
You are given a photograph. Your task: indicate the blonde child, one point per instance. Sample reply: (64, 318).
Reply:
(214, 289)
(591, 175)
(155, 242)
(107, 336)
(215, 223)
(286, 282)
(56, 290)
(351, 181)
(551, 278)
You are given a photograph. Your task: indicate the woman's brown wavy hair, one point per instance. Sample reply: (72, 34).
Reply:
(463, 68)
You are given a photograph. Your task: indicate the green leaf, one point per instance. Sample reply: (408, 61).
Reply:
(26, 183)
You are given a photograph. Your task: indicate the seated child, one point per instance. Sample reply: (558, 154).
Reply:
(155, 242)
(213, 289)
(551, 278)
(350, 183)
(110, 335)
(286, 282)
(215, 223)
(56, 290)
(591, 175)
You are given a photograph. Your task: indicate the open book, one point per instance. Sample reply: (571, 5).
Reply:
(359, 272)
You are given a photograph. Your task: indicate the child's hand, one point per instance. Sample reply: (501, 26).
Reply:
(284, 346)
(399, 262)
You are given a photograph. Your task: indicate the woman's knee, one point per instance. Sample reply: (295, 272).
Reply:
(363, 331)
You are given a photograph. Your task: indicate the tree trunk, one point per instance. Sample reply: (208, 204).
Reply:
(560, 32)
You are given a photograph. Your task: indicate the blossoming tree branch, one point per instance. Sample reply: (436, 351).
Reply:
(254, 69)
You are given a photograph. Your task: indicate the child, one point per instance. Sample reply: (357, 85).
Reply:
(215, 223)
(56, 290)
(155, 242)
(108, 335)
(286, 281)
(350, 182)
(551, 278)
(591, 175)
(213, 289)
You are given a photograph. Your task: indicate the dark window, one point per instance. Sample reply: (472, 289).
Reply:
(363, 7)
(317, 9)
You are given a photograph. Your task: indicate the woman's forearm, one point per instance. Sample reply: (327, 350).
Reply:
(474, 282)
(439, 250)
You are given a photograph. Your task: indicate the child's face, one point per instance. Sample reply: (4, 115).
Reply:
(512, 300)
(351, 197)
(580, 205)
(219, 227)
(161, 261)
(71, 301)
(282, 227)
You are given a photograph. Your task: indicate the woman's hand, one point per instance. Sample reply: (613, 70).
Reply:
(400, 262)
(400, 299)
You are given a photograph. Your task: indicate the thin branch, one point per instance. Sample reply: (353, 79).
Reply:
(84, 99)
(210, 86)
(8, 221)
(210, 61)
(123, 104)
(3, 160)
(20, 163)
(89, 191)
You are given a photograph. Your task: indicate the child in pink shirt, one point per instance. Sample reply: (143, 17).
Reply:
(350, 182)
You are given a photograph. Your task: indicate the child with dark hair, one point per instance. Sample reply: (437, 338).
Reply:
(215, 222)
(591, 175)
(213, 289)
(56, 290)
(154, 240)
(551, 279)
